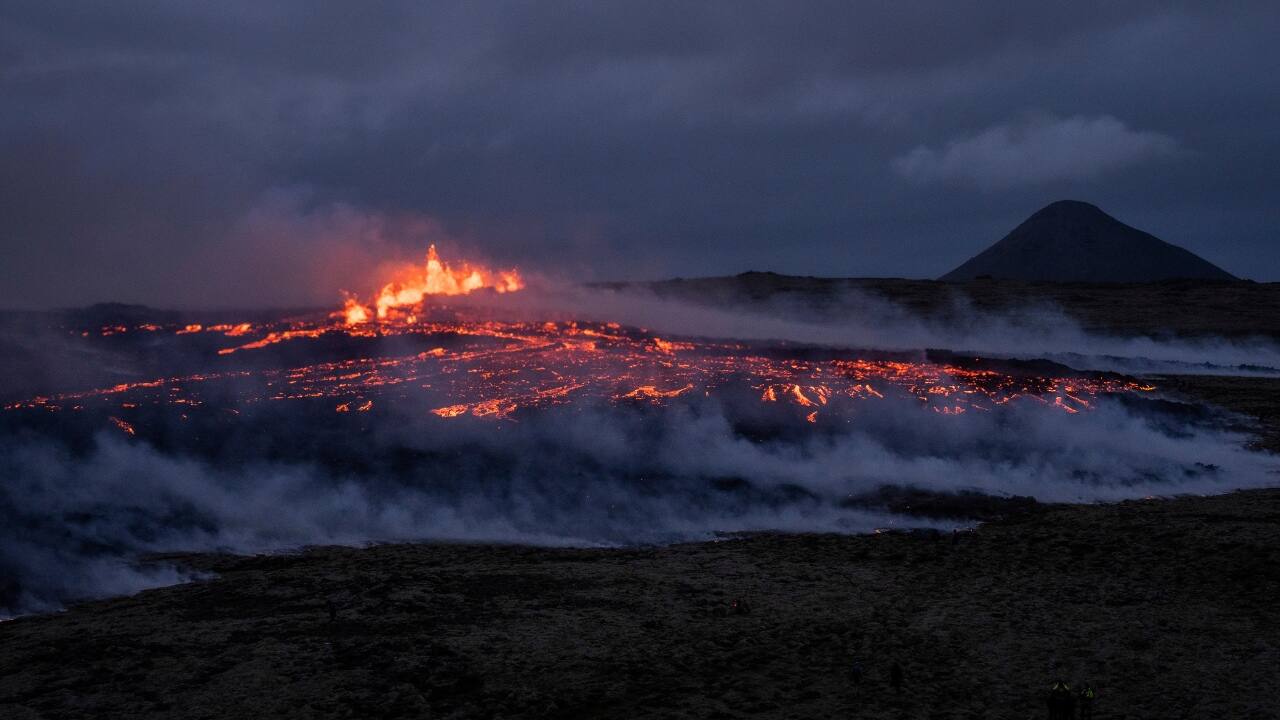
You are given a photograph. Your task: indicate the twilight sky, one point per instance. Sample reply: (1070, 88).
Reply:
(233, 154)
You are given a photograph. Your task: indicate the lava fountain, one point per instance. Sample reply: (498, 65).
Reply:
(412, 284)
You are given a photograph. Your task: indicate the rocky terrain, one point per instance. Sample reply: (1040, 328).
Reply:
(1174, 308)
(1166, 606)
(1255, 400)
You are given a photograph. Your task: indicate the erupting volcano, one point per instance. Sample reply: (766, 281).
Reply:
(566, 360)
(409, 348)
(449, 405)
(413, 283)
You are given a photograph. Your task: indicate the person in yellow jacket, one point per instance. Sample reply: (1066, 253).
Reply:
(1085, 700)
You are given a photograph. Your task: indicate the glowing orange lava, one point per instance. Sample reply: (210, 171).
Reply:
(493, 369)
(414, 283)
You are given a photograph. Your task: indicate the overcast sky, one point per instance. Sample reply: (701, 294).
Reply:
(223, 153)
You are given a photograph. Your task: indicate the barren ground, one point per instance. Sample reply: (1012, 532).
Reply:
(1168, 607)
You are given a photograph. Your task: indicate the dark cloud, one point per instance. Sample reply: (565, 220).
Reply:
(145, 144)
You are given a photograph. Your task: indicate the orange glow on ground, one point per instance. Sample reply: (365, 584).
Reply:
(494, 369)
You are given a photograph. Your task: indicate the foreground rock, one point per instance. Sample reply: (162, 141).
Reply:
(1167, 607)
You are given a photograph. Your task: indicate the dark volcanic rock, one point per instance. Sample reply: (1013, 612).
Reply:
(1166, 607)
(112, 313)
(1071, 241)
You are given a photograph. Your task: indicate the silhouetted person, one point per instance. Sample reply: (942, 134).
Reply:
(955, 538)
(1085, 701)
(895, 677)
(333, 609)
(855, 672)
(1059, 700)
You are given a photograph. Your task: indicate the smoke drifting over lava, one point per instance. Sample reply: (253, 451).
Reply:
(460, 404)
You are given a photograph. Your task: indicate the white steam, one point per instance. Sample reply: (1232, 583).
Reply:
(855, 319)
(575, 476)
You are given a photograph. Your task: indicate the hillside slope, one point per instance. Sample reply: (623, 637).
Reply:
(1071, 241)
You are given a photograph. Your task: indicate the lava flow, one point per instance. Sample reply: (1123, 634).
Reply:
(406, 350)
(493, 369)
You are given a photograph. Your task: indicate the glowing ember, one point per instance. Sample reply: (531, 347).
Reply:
(353, 312)
(651, 392)
(414, 283)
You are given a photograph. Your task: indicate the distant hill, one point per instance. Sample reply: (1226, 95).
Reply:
(111, 313)
(1072, 241)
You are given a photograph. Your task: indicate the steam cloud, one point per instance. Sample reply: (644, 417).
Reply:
(72, 519)
(861, 320)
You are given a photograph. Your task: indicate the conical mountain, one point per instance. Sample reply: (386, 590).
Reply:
(1072, 241)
